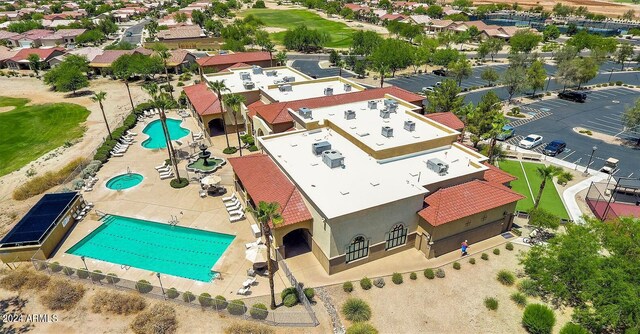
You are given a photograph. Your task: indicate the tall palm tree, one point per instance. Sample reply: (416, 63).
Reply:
(164, 54)
(34, 63)
(281, 58)
(499, 121)
(124, 73)
(218, 86)
(546, 173)
(382, 69)
(234, 101)
(163, 102)
(270, 47)
(99, 97)
(268, 213)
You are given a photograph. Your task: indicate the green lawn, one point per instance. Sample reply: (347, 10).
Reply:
(28, 132)
(339, 32)
(550, 200)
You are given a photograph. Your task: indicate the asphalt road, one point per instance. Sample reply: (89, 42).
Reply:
(136, 33)
(311, 68)
(555, 119)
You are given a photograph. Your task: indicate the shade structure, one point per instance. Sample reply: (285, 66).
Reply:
(257, 254)
(211, 180)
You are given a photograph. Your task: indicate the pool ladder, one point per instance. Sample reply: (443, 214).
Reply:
(174, 221)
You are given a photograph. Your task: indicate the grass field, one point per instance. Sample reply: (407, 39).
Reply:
(28, 132)
(550, 200)
(339, 32)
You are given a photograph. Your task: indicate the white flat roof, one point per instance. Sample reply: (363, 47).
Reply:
(364, 182)
(311, 89)
(235, 83)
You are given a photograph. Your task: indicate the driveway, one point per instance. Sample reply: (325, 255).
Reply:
(136, 33)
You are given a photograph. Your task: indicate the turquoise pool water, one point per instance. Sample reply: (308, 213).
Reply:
(156, 135)
(171, 250)
(124, 181)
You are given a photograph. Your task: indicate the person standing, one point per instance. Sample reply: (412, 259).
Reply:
(463, 247)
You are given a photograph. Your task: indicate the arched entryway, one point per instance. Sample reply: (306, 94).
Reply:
(296, 242)
(260, 133)
(215, 127)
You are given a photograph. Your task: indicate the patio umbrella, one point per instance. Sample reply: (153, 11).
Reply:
(257, 254)
(211, 180)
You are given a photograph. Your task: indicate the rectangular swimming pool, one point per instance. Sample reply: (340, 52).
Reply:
(171, 250)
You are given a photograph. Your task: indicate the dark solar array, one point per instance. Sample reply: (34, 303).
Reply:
(38, 220)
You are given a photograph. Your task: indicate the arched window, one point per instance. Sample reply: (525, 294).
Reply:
(358, 249)
(396, 237)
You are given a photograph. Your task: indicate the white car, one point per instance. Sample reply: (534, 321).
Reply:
(530, 141)
(428, 89)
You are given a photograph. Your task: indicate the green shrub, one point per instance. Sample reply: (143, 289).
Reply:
(379, 282)
(413, 276)
(396, 278)
(144, 286)
(618, 83)
(180, 84)
(290, 300)
(528, 287)
(97, 276)
(289, 291)
(519, 299)
(172, 293)
(456, 265)
(82, 273)
(188, 297)
(484, 256)
(177, 184)
(253, 148)
(205, 300)
(356, 310)
(347, 286)
(509, 246)
(220, 302)
(496, 251)
(230, 150)
(472, 260)
(571, 328)
(68, 271)
(505, 277)
(309, 293)
(491, 303)
(428, 273)
(112, 278)
(259, 311)
(440, 273)
(362, 328)
(236, 307)
(365, 283)
(538, 319)
(55, 267)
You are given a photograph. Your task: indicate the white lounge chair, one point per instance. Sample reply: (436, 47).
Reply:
(164, 170)
(236, 207)
(253, 244)
(117, 154)
(232, 203)
(130, 133)
(230, 198)
(243, 291)
(166, 176)
(248, 282)
(161, 166)
(236, 212)
(236, 218)
(203, 193)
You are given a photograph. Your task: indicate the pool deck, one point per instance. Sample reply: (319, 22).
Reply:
(154, 199)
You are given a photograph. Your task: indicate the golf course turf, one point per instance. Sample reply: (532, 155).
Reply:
(339, 32)
(29, 131)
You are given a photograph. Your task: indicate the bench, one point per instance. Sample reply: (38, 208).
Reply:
(531, 156)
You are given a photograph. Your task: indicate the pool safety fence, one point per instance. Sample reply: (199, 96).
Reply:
(241, 308)
(299, 288)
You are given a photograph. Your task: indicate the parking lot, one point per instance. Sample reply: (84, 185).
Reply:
(311, 68)
(602, 112)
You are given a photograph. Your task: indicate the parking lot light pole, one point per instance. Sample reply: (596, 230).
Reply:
(593, 150)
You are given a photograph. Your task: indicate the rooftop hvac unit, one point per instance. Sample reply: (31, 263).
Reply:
(256, 69)
(333, 158)
(387, 131)
(289, 79)
(248, 84)
(305, 112)
(285, 88)
(410, 126)
(390, 102)
(328, 91)
(438, 166)
(349, 114)
(272, 73)
(372, 104)
(384, 113)
(347, 87)
(319, 147)
(245, 76)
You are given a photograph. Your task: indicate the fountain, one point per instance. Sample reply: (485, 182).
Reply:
(204, 154)
(205, 162)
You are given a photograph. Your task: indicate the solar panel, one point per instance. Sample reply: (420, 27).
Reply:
(34, 225)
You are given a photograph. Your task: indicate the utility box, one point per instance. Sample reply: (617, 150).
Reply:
(349, 114)
(333, 159)
(319, 147)
(410, 126)
(245, 76)
(272, 73)
(438, 166)
(305, 113)
(372, 104)
(248, 84)
(347, 87)
(289, 79)
(285, 88)
(256, 69)
(328, 91)
(384, 113)
(387, 131)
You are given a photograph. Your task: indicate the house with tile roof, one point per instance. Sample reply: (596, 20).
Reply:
(187, 32)
(217, 63)
(180, 59)
(20, 60)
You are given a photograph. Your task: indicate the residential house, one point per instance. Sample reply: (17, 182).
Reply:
(6, 54)
(20, 60)
(220, 62)
(29, 39)
(61, 37)
(88, 52)
(188, 32)
(180, 59)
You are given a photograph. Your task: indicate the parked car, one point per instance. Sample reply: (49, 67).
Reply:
(554, 148)
(610, 166)
(427, 90)
(440, 72)
(573, 96)
(128, 34)
(530, 141)
(507, 132)
(438, 84)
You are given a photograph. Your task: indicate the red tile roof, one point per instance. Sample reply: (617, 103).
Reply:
(264, 181)
(233, 58)
(44, 54)
(277, 113)
(203, 99)
(497, 175)
(463, 200)
(251, 108)
(447, 118)
(392, 17)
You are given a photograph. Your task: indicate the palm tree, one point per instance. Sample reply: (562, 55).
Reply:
(499, 121)
(218, 86)
(269, 47)
(546, 173)
(124, 74)
(163, 102)
(341, 64)
(234, 101)
(99, 97)
(34, 63)
(382, 69)
(164, 54)
(268, 213)
(281, 58)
